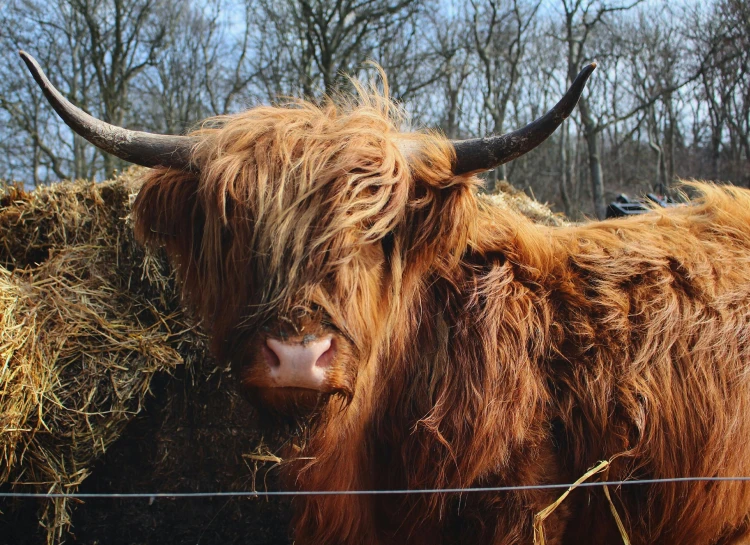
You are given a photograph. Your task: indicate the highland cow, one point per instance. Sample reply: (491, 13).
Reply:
(358, 283)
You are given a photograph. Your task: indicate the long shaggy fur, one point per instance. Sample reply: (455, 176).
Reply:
(483, 349)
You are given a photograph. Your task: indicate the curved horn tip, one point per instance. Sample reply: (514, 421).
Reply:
(36, 70)
(584, 74)
(586, 71)
(28, 59)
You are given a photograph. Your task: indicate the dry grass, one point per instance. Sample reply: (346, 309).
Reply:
(507, 196)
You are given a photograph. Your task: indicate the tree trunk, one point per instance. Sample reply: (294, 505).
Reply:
(597, 178)
(660, 174)
(109, 165)
(79, 158)
(491, 181)
(564, 182)
(715, 153)
(592, 131)
(663, 182)
(670, 137)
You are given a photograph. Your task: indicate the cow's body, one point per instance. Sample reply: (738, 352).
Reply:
(626, 339)
(532, 354)
(429, 340)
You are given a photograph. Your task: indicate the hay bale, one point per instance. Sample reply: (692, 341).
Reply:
(88, 320)
(507, 196)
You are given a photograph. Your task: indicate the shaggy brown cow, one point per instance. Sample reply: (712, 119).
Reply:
(355, 279)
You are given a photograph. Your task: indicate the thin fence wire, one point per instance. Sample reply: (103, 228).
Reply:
(261, 493)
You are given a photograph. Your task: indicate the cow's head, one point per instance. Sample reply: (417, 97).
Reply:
(298, 231)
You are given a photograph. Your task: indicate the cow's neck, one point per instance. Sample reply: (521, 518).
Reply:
(473, 352)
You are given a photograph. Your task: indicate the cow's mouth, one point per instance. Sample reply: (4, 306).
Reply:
(297, 390)
(288, 404)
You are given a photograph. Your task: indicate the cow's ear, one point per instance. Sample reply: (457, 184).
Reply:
(442, 210)
(168, 213)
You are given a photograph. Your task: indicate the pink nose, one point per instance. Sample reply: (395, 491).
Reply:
(299, 365)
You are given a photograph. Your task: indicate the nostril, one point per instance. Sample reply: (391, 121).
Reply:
(326, 358)
(272, 359)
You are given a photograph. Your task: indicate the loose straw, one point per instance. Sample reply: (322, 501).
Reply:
(541, 516)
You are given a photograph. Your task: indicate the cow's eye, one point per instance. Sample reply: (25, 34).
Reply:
(387, 242)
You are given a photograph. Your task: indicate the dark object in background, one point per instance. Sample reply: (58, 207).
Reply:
(625, 206)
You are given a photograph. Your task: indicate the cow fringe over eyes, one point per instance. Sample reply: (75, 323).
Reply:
(287, 197)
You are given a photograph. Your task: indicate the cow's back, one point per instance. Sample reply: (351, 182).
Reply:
(653, 367)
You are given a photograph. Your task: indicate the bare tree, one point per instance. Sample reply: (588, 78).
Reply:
(94, 49)
(581, 19)
(654, 67)
(38, 147)
(723, 61)
(124, 37)
(196, 74)
(311, 44)
(499, 30)
(448, 63)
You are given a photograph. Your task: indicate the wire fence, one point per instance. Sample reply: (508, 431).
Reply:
(276, 493)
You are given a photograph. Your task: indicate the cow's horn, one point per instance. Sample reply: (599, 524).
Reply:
(141, 148)
(479, 154)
